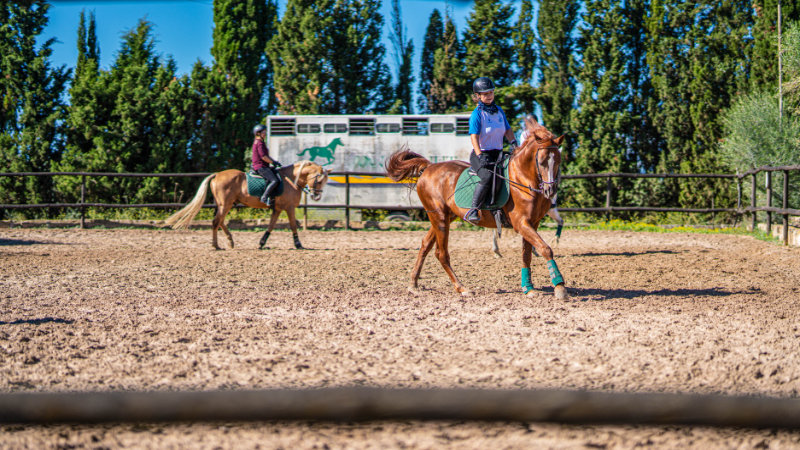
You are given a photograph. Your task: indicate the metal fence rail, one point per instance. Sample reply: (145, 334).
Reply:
(607, 209)
(363, 404)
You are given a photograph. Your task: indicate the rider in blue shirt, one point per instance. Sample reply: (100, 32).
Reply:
(487, 128)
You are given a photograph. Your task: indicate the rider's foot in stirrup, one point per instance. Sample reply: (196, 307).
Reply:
(472, 216)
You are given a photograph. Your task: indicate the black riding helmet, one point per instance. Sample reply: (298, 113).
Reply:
(258, 129)
(482, 84)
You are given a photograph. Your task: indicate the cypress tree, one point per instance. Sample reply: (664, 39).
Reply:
(518, 99)
(602, 121)
(489, 51)
(31, 108)
(764, 57)
(556, 23)
(403, 52)
(449, 84)
(433, 41)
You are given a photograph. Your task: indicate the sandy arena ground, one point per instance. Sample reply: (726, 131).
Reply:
(160, 310)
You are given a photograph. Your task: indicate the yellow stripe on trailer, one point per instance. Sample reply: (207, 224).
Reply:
(363, 179)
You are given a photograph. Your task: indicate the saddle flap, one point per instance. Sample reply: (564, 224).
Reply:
(465, 187)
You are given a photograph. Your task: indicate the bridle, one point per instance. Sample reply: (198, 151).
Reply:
(315, 191)
(542, 183)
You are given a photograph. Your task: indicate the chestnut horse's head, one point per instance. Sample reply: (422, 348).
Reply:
(311, 175)
(544, 152)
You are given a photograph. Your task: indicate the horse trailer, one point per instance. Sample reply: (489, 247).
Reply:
(361, 144)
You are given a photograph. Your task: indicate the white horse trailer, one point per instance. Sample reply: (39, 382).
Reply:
(361, 144)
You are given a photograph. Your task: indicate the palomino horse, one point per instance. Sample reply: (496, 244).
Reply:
(230, 187)
(532, 177)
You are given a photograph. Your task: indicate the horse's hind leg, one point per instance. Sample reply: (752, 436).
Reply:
(424, 249)
(441, 227)
(219, 221)
(227, 232)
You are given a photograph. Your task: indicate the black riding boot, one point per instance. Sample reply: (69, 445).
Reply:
(267, 198)
(478, 196)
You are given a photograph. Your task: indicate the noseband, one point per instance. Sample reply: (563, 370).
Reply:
(315, 191)
(543, 183)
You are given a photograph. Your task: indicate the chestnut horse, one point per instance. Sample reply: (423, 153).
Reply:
(230, 187)
(532, 173)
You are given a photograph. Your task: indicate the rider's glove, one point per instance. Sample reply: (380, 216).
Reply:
(276, 164)
(513, 145)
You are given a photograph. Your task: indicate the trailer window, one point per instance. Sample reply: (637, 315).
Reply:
(415, 126)
(388, 128)
(335, 128)
(308, 128)
(442, 128)
(462, 125)
(362, 127)
(281, 127)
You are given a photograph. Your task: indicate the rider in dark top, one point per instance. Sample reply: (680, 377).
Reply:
(261, 162)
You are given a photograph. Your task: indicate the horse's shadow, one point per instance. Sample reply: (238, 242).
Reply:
(668, 252)
(595, 294)
(4, 242)
(41, 321)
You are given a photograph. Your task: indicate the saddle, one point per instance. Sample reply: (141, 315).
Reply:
(256, 184)
(468, 181)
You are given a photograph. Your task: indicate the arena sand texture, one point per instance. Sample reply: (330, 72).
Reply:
(148, 310)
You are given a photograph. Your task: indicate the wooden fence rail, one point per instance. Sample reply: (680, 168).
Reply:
(607, 209)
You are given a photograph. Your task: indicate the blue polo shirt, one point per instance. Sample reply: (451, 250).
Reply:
(490, 128)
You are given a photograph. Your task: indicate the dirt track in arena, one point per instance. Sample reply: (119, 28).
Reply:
(160, 310)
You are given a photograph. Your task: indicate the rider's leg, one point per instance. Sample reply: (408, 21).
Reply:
(272, 183)
(485, 171)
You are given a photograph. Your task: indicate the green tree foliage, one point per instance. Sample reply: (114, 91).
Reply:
(488, 47)
(449, 81)
(518, 99)
(31, 108)
(764, 57)
(697, 59)
(239, 86)
(403, 53)
(602, 122)
(328, 58)
(434, 34)
(556, 91)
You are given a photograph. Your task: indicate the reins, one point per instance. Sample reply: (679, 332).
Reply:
(542, 183)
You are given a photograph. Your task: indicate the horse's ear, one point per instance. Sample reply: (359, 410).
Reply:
(327, 171)
(559, 140)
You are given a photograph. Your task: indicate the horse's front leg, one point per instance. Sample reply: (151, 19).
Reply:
(527, 285)
(532, 237)
(293, 226)
(272, 219)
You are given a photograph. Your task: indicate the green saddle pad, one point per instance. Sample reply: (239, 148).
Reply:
(466, 185)
(257, 185)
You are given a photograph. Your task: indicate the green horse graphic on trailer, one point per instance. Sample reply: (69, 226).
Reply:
(322, 152)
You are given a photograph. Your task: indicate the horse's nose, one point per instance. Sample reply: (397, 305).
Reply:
(315, 197)
(549, 191)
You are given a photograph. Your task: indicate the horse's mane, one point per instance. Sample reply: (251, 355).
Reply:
(537, 134)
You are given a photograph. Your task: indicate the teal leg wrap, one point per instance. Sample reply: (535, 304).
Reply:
(558, 230)
(527, 286)
(555, 275)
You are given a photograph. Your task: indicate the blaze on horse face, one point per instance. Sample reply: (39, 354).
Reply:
(548, 156)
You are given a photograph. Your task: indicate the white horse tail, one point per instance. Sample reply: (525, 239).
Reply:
(183, 218)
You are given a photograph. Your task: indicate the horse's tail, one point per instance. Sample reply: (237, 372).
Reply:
(303, 152)
(405, 164)
(183, 218)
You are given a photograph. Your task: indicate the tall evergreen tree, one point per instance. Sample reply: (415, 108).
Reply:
(298, 56)
(447, 92)
(403, 53)
(693, 84)
(433, 41)
(519, 99)
(556, 23)
(489, 50)
(602, 121)
(31, 108)
(358, 80)
(764, 57)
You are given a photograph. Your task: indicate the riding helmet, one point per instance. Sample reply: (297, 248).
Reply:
(482, 84)
(258, 129)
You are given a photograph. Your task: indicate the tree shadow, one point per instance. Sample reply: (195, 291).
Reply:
(614, 294)
(668, 252)
(20, 242)
(38, 321)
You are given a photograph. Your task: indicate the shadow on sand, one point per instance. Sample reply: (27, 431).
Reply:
(38, 321)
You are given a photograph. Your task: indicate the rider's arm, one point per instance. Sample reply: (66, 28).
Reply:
(476, 147)
(475, 131)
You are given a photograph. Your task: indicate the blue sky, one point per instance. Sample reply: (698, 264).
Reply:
(183, 27)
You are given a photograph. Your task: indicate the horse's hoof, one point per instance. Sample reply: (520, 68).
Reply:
(532, 293)
(466, 293)
(497, 255)
(561, 292)
(299, 247)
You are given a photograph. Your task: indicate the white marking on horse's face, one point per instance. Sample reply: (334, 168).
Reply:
(551, 164)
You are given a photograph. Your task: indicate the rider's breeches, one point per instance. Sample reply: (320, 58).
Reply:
(483, 166)
(271, 179)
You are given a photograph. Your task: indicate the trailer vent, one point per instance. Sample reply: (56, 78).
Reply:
(308, 128)
(362, 127)
(415, 126)
(462, 125)
(281, 127)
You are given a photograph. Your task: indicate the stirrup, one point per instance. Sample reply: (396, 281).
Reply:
(470, 211)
